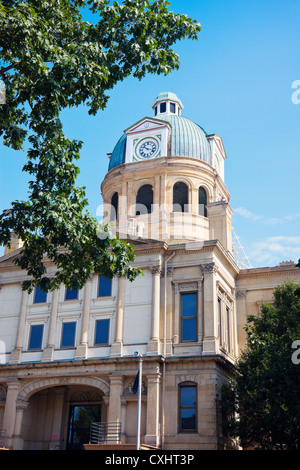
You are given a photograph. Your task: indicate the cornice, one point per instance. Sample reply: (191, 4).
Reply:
(268, 272)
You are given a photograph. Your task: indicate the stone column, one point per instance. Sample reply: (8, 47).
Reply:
(48, 353)
(169, 311)
(123, 210)
(194, 201)
(123, 421)
(81, 351)
(117, 346)
(10, 410)
(209, 305)
(114, 408)
(18, 441)
(57, 418)
(15, 355)
(154, 343)
(240, 319)
(164, 209)
(152, 436)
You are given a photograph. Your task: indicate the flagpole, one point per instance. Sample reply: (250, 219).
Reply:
(138, 430)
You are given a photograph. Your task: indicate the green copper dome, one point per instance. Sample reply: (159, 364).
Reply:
(188, 139)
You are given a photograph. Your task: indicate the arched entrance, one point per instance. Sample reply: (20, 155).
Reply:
(85, 407)
(58, 416)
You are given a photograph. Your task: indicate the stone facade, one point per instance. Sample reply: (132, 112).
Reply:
(189, 349)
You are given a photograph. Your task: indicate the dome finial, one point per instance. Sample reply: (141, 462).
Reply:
(167, 103)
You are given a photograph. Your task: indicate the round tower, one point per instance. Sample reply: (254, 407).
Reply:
(166, 180)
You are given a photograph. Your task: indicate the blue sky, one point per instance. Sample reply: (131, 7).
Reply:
(236, 81)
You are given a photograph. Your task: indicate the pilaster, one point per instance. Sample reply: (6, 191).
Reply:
(152, 436)
(81, 351)
(10, 410)
(48, 353)
(154, 343)
(117, 346)
(15, 355)
(209, 309)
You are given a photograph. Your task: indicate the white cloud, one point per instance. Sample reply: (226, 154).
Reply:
(247, 214)
(243, 212)
(273, 250)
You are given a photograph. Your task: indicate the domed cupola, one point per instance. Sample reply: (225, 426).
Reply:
(166, 179)
(167, 134)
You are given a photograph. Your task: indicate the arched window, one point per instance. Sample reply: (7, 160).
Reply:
(144, 200)
(114, 206)
(180, 197)
(187, 407)
(202, 201)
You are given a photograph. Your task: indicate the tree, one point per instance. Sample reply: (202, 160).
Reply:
(265, 393)
(50, 59)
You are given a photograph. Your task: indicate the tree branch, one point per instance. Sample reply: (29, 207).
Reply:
(9, 211)
(9, 67)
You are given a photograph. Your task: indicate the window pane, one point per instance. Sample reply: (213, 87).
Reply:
(104, 288)
(102, 332)
(188, 419)
(36, 336)
(172, 108)
(188, 396)
(144, 200)
(114, 206)
(180, 197)
(68, 335)
(189, 332)
(163, 107)
(189, 305)
(202, 202)
(71, 294)
(39, 295)
(188, 403)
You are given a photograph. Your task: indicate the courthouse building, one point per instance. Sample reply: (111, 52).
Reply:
(70, 358)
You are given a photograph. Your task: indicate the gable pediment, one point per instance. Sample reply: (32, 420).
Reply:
(147, 124)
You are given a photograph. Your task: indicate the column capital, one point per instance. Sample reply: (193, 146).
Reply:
(21, 405)
(156, 270)
(209, 268)
(116, 379)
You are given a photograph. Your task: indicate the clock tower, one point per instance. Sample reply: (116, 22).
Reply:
(166, 179)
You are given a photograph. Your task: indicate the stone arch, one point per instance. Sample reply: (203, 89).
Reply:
(142, 182)
(178, 178)
(30, 389)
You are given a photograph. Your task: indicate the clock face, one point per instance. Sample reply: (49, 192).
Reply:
(148, 149)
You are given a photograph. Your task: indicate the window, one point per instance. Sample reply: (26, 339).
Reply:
(144, 200)
(172, 108)
(71, 294)
(202, 202)
(155, 110)
(68, 335)
(187, 408)
(102, 332)
(228, 328)
(39, 296)
(189, 317)
(180, 197)
(104, 286)
(114, 206)
(163, 107)
(36, 337)
(219, 318)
